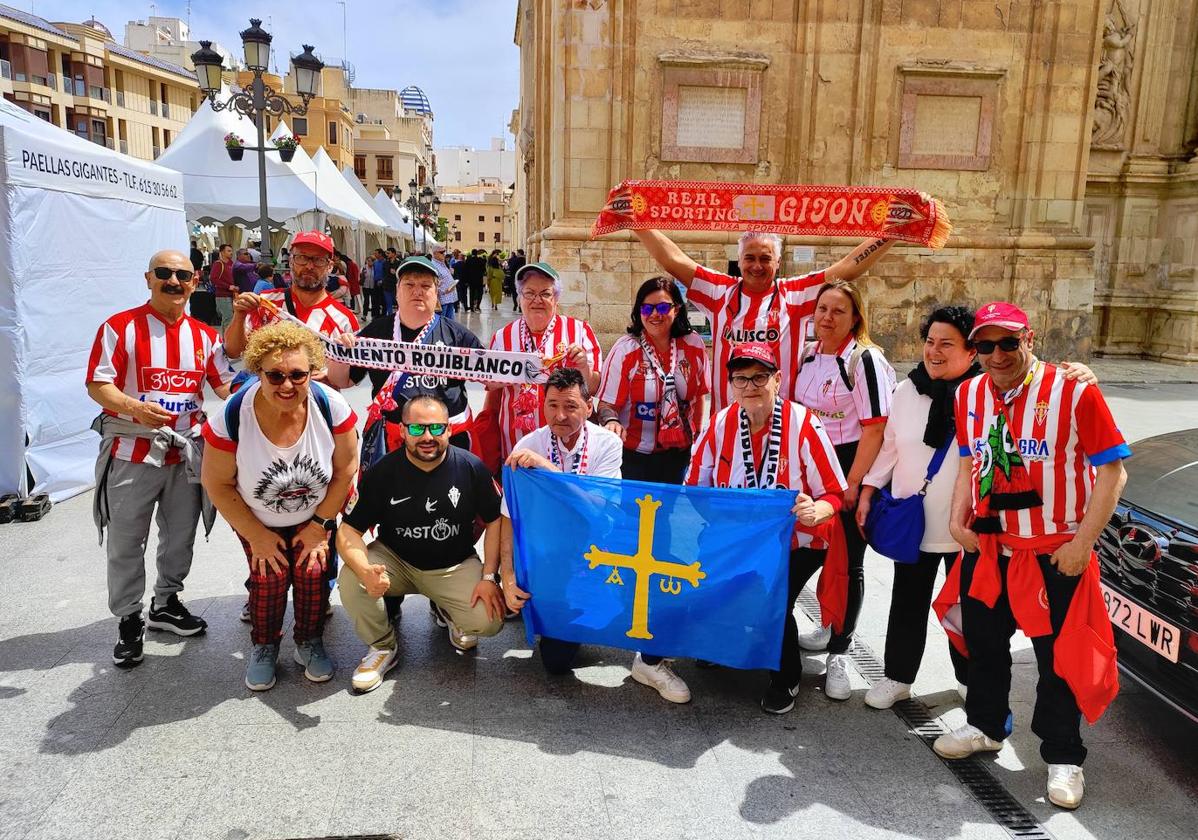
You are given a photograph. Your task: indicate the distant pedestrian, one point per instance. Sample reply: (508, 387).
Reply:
(495, 277)
(220, 277)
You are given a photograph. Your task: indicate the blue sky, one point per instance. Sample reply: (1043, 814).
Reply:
(459, 51)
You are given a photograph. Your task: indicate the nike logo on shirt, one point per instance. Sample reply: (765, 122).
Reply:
(397, 501)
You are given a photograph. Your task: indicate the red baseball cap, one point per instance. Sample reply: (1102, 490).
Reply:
(752, 351)
(314, 237)
(999, 314)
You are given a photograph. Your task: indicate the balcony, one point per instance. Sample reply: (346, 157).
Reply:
(124, 147)
(154, 110)
(156, 150)
(110, 143)
(166, 110)
(120, 99)
(5, 76)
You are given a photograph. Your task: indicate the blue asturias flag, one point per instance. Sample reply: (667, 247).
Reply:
(672, 571)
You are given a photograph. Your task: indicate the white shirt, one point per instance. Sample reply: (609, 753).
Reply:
(604, 456)
(903, 463)
(282, 485)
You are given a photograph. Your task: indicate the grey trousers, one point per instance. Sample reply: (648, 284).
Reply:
(133, 492)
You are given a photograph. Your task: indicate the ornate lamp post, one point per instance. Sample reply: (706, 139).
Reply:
(421, 204)
(259, 100)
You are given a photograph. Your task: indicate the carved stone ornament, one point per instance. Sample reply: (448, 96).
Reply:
(1112, 101)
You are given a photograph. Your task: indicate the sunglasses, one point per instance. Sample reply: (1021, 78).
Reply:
(418, 429)
(276, 377)
(1008, 345)
(648, 309)
(183, 275)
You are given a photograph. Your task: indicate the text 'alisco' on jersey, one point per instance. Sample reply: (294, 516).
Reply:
(774, 316)
(426, 518)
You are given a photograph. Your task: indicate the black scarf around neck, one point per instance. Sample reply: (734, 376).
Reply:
(942, 391)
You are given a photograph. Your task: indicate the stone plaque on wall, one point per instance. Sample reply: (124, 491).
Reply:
(710, 114)
(947, 118)
(711, 117)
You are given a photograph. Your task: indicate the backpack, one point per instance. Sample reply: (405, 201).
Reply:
(233, 410)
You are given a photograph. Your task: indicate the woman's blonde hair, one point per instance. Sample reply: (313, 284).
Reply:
(861, 328)
(279, 338)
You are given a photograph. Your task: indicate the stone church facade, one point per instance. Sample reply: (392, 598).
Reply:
(1061, 135)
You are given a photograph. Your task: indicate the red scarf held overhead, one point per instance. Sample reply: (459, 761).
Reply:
(1084, 652)
(832, 591)
(795, 209)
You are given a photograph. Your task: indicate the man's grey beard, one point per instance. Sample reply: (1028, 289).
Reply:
(315, 284)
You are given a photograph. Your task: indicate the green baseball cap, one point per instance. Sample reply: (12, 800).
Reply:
(416, 263)
(543, 267)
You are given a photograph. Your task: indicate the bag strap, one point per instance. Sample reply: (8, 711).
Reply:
(233, 413)
(290, 303)
(233, 409)
(936, 463)
(848, 369)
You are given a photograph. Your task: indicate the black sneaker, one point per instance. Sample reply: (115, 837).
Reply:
(779, 698)
(127, 653)
(176, 618)
(438, 614)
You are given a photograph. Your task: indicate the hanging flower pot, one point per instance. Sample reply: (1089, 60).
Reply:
(235, 146)
(235, 152)
(286, 155)
(285, 146)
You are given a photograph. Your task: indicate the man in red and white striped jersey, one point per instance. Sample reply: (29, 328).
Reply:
(147, 371)
(764, 441)
(1041, 472)
(561, 340)
(307, 299)
(758, 306)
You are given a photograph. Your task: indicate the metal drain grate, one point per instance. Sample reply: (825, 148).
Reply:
(973, 775)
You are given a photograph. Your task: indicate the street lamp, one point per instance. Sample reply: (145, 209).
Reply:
(260, 100)
(421, 204)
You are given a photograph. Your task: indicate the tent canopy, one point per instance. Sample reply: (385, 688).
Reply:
(222, 190)
(62, 197)
(332, 197)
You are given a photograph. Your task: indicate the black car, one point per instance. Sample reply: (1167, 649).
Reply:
(1149, 558)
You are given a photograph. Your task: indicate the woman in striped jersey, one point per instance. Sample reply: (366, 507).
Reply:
(654, 379)
(847, 383)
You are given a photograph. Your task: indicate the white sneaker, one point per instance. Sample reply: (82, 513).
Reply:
(886, 692)
(964, 741)
(662, 678)
(245, 612)
(836, 680)
(461, 641)
(1066, 785)
(373, 667)
(817, 639)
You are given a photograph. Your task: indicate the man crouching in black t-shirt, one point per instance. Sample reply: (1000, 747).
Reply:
(423, 499)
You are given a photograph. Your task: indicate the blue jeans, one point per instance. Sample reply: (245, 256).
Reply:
(388, 302)
(558, 656)
(449, 310)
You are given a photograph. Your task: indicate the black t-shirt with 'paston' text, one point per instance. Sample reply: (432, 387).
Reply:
(427, 518)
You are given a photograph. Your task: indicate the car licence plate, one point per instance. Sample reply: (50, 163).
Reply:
(1142, 625)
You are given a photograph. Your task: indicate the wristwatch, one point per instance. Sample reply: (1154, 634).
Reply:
(327, 524)
(491, 576)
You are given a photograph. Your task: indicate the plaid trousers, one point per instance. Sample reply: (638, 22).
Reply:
(268, 595)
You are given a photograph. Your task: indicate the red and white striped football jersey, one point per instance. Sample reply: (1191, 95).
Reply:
(328, 317)
(807, 461)
(153, 361)
(1060, 429)
(631, 384)
(774, 316)
(566, 331)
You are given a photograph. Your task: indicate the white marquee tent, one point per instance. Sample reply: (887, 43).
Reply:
(222, 190)
(78, 224)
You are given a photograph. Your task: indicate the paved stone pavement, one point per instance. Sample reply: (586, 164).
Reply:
(462, 746)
